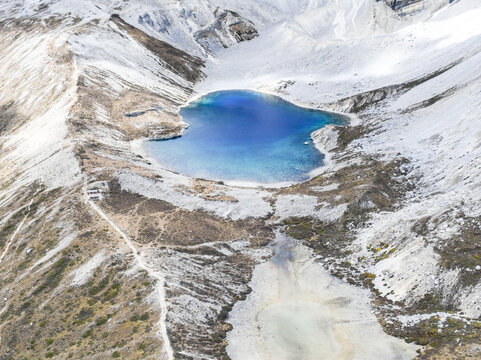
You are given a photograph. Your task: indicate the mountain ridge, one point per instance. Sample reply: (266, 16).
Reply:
(395, 211)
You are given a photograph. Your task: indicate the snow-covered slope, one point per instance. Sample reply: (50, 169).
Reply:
(334, 52)
(397, 209)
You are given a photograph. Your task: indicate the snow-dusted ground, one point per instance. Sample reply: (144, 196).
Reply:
(312, 52)
(344, 48)
(328, 57)
(42, 90)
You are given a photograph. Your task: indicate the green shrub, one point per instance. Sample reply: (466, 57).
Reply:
(94, 290)
(116, 286)
(54, 276)
(100, 321)
(91, 302)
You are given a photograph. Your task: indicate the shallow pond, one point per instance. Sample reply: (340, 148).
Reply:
(244, 136)
(297, 310)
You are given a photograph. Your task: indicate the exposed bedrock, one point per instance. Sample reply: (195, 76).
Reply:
(229, 28)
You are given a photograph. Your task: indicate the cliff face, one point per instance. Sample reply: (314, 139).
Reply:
(399, 4)
(228, 29)
(104, 253)
(410, 7)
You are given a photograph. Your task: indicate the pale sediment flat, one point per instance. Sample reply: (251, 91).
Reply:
(297, 310)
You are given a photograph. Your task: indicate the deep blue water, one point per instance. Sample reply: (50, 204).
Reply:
(244, 136)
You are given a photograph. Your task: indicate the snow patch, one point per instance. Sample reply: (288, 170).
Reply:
(83, 273)
(305, 205)
(250, 202)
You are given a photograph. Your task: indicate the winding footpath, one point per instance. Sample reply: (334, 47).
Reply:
(153, 273)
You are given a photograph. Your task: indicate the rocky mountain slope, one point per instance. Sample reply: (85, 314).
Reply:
(105, 254)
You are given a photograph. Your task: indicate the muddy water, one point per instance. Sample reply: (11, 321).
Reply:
(298, 311)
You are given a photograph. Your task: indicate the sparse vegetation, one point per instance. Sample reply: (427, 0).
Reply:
(54, 276)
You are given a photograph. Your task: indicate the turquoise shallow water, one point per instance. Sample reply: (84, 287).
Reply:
(244, 136)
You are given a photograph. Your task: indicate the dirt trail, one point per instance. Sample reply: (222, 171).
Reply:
(153, 273)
